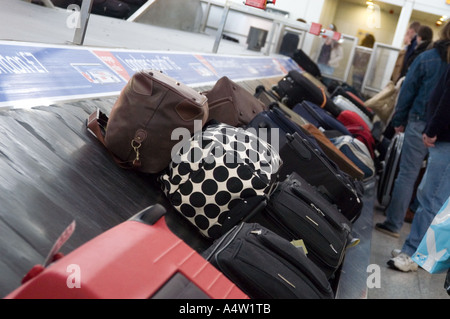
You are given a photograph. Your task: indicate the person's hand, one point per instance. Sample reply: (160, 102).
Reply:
(399, 129)
(428, 141)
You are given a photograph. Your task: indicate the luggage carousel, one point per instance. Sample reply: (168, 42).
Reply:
(54, 171)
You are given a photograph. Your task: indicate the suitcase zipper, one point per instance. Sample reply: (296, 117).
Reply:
(305, 271)
(319, 211)
(313, 113)
(291, 138)
(293, 236)
(229, 239)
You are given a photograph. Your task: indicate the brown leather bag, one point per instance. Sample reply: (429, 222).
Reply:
(231, 104)
(148, 109)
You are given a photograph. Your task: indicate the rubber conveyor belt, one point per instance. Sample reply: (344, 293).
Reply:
(53, 171)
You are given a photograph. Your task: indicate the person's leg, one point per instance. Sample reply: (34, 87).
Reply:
(432, 193)
(412, 156)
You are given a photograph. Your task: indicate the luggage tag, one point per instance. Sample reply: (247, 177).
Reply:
(300, 245)
(53, 255)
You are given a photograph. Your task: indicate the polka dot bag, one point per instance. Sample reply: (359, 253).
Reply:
(215, 171)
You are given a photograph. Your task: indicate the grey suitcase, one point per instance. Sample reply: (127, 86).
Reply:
(389, 170)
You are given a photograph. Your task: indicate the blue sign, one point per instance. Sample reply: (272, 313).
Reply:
(34, 73)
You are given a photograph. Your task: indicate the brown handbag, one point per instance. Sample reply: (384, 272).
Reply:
(138, 130)
(231, 104)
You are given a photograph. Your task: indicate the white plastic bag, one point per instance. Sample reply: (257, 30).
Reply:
(433, 253)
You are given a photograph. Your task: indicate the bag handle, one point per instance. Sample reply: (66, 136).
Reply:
(96, 125)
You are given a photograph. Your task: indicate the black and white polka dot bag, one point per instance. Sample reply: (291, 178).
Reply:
(216, 171)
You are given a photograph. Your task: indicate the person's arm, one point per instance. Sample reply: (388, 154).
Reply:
(408, 93)
(441, 116)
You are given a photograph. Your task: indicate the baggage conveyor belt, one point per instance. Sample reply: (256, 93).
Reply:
(53, 171)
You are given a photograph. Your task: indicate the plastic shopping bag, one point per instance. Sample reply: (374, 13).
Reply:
(433, 253)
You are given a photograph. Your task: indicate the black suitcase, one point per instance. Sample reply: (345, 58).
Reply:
(319, 117)
(389, 170)
(306, 63)
(289, 44)
(296, 210)
(339, 188)
(266, 266)
(276, 118)
(295, 88)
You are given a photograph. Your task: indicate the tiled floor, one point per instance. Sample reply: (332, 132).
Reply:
(395, 284)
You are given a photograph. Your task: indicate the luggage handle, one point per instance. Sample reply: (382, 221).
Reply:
(241, 213)
(96, 125)
(299, 147)
(150, 215)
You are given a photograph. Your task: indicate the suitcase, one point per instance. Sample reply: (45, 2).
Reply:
(270, 99)
(355, 100)
(306, 63)
(339, 188)
(345, 104)
(289, 44)
(295, 88)
(358, 129)
(276, 121)
(297, 211)
(356, 151)
(138, 259)
(219, 177)
(389, 170)
(266, 266)
(342, 161)
(319, 117)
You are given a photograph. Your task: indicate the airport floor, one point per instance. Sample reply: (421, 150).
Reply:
(117, 33)
(396, 284)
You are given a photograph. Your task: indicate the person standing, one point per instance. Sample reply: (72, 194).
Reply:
(410, 117)
(434, 188)
(409, 42)
(361, 60)
(330, 54)
(423, 40)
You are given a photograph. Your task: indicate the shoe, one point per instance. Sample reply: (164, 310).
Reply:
(382, 228)
(403, 263)
(395, 252)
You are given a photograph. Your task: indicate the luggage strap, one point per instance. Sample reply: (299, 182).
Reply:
(324, 98)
